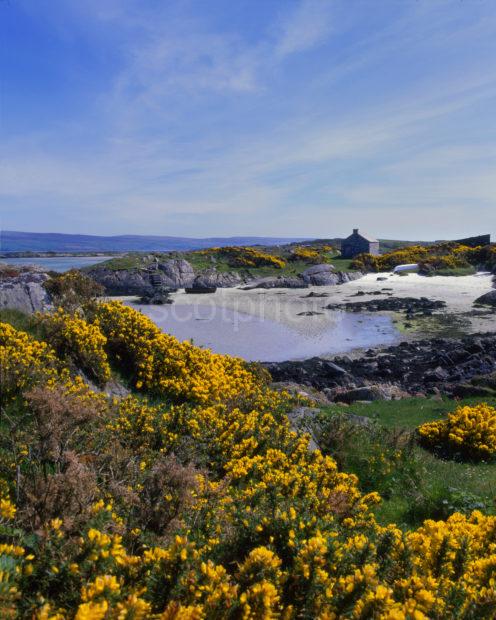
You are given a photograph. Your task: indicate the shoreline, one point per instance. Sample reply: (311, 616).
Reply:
(285, 305)
(289, 308)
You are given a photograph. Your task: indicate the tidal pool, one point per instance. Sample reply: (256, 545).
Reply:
(260, 339)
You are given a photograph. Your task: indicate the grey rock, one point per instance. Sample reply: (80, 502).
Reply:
(176, 273)
(359, 420)
(25, 292)
(320, 275)
(489, 299)
(211, 278)
(326, 275)
(123, 281)
(366, 393)
(301, 419)
(279, 282)
(158, 297)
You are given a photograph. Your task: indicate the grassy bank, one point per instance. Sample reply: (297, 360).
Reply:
(415, 484)
(208, 259)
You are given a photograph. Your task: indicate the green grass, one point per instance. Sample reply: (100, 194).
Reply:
(17, 319)
(406, 413)
(342, 264)
(201, 262)
(456, 271)
(417, 485)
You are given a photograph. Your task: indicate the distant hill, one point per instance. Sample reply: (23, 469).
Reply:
(15, 241)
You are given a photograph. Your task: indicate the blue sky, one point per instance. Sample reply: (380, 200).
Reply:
(252, 117)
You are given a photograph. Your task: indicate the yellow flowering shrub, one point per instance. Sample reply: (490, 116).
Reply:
(240, 256)
(468, 431)
(305, 254)
(78, 342)
(441, 256)
(23, 360)
(212, 508)
(312, 254)
(159, 363)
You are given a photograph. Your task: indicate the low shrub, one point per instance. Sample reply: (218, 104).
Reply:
(77, 342)
(239, 256)
(468, 432)
(430, 259)
(160, 364)
(73, 289)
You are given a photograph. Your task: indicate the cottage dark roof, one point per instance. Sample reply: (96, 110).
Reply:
(365, 236)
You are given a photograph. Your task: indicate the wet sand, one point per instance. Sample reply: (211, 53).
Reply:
(278, 324)
(285, 305)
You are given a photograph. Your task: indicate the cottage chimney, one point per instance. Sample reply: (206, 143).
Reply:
(355, 231)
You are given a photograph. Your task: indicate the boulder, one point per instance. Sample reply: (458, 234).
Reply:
(488, 299)
(123, 281)
(211, 278)
(176, 273)
(301, 419)
(25, 292)
(279, 282)
(326, 275)
(365, 393)
(158, 297)
(320, 275)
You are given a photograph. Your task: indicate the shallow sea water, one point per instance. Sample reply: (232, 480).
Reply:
(260, 339)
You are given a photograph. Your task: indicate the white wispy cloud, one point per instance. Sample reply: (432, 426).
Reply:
(307, 25)
(309, 170)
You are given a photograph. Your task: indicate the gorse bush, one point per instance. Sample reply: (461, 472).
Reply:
(430, 258)
(313, 255)
(239, 256)
(211, 507)
(469, 432)
(78, 342)
(161, 364)
(23, 361)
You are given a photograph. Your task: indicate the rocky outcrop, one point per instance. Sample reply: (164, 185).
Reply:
(279, 282)
(318, 275)
(123, 281)
(176, 273)
(325, 275)
(158, 297)
(25, 292)
(423, 367)
(211, 278)
(411, 305)
(489, 299)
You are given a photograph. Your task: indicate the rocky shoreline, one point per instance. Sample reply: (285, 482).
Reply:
(459, 367)
(179, 273)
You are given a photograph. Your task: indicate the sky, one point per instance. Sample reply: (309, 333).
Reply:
(248, 117)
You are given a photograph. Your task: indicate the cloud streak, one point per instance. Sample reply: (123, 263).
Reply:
(311, 120)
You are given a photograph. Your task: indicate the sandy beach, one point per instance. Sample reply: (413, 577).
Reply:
(295, 323)
(285, 305)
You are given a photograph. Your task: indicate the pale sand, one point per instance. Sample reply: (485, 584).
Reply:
(284, 305)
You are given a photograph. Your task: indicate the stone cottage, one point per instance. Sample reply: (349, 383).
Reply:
(357, 243)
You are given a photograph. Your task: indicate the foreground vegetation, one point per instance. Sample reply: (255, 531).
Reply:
(191, 497)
